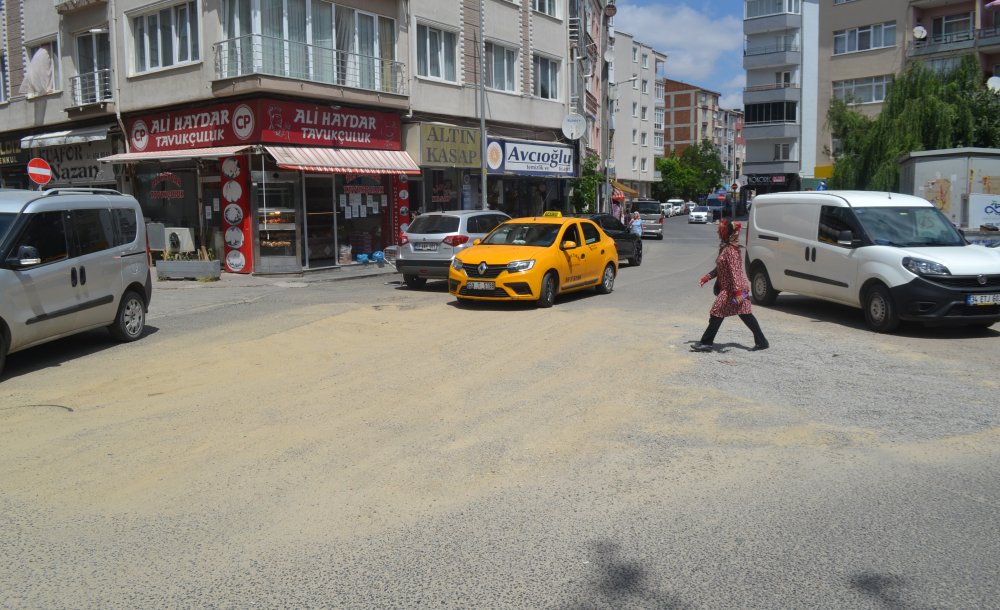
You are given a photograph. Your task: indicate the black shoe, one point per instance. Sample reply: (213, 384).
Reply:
(702, 347)
(761, 346)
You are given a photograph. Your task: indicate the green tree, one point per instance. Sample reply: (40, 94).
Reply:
(690, 175)
(585, 187)
(923, 110)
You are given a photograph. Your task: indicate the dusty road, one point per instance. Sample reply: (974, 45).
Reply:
(359, 445)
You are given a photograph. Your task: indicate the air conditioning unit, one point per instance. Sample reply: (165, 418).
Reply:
(179, 239)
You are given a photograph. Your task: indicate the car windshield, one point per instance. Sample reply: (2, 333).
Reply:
(701, 208)
(436, 223)
(5, 222)
(649, 207)
(524, 234)
(917, 226)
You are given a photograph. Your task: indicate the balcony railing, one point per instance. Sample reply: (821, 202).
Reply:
(91, 88)
(771, 87)
(257, 54)
(781, 48)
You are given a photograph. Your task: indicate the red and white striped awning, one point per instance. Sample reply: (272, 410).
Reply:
(213, 152)
(343, 161)
(617, 195)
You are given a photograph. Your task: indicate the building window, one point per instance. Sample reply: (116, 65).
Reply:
(436, 53)
(865, 38)
(501, 68)
(47, 53)
(645, 60)
(763, 8)
(635, 54)
(635, 164)
(862, 90)
(952, 28)
(635, 109)
(645, 86)
(659, 91)
(635, 136)
(644, 115)
(644, 165)
(644, 140)
(93, 54)
(4, 91)
(783, 152)
(773, 112)
(546, 78)
(658, 141)
(658, 118)
(165, 37)
(547, 7)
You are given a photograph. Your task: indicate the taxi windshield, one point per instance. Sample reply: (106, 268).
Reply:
(524, 234)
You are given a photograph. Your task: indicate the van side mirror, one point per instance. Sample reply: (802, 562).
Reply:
(26, 257)
(845, 238)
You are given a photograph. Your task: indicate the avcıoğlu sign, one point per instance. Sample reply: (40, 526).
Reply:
(529, 158)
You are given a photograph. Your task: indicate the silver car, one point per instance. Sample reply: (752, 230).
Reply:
(698, 214)
(433, 239)
(71, 260)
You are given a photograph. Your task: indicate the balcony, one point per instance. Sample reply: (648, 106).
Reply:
(770, 167)
(988, 40)
(775, 92)
(257, 55)
(772, 56)
(771, 131)
(91, 88)
(941, 43)
(68, 6)
(771, 23)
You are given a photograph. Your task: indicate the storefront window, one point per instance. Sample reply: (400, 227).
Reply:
(362, 204)
(169, 198)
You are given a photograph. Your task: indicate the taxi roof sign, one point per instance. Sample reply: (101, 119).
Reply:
(553, 213)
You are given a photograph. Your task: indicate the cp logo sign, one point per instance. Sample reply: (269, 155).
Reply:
(140, 135)
(243, 122)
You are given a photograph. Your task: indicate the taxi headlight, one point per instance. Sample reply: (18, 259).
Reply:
(921, 266)
(520, 265)
(456, 264)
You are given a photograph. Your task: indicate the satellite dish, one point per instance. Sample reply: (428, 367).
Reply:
(993, 84)
(609, 54)
(920, 32)
(574, 126)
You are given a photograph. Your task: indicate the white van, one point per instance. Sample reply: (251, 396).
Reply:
(894, 256)
(71, 260)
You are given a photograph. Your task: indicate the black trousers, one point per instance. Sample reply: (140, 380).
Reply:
(714, 323)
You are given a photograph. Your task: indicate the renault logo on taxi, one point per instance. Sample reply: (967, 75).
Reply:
(482, 268)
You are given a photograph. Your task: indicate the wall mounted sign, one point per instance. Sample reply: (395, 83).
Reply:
(529, 158)
(448, 146)
(237, 220)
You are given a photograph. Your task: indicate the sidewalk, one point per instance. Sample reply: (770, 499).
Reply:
(240, 280)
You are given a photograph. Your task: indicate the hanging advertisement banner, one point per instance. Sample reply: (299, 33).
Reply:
(237, 221)
(265, 121)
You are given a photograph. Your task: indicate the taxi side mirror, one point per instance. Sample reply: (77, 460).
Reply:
(569, 245)
(476, 241)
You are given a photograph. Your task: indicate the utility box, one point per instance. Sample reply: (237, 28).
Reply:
(948, 177)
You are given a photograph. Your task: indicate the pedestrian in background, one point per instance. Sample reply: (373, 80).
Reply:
(635, 224)
(733, 298)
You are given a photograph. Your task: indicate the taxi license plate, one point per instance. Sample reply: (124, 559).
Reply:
(983, 299)
(425, 246)
(480, 286)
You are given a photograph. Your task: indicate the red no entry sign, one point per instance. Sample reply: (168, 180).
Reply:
(722, 196)
(39, 171)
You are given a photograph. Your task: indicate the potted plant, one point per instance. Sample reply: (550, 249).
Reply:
(200, 265)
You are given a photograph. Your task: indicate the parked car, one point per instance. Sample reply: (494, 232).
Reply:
(535, 259)
(652, 217)
(71, 260)
(676, 206)
(433, 239)
(895, 257)
(628, 243)
(698, 214)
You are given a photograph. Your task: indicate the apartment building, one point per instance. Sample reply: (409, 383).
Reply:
(801, 54)
(732, 147)
(289, 134)
(691, 114)
(633, 106)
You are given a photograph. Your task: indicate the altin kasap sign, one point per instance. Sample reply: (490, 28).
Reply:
(528, 158)
(265, 122)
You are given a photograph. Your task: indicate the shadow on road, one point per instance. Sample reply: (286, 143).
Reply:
(56, 353)
(617, 582)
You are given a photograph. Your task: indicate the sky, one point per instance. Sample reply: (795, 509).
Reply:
(703, 41)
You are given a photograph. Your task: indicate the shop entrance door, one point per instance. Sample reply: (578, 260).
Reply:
(275, 203)
(319, 226)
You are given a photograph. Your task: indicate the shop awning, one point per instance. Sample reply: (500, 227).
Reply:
(213, 152)
(617, 195)
(343, 161)
(628, 191)
(68, 136)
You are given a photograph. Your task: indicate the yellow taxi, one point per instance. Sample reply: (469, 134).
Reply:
(535, 259)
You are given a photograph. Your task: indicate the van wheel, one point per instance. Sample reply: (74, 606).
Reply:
(414, 281)
(547, 295)
(131, 318)
(607, 280)
(761, 290)
(880, 310)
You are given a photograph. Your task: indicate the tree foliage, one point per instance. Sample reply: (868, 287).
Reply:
(690, 175)
(922, 111)
(585, 187)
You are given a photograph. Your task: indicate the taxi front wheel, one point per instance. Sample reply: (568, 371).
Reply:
(547, 294)
(607, 280)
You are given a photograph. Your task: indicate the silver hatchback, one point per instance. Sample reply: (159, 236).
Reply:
(433, 239)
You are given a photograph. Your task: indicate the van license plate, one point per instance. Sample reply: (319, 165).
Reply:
(480, 286)
(983, 299)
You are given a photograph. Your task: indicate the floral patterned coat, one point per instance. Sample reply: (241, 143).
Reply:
(734, 290)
